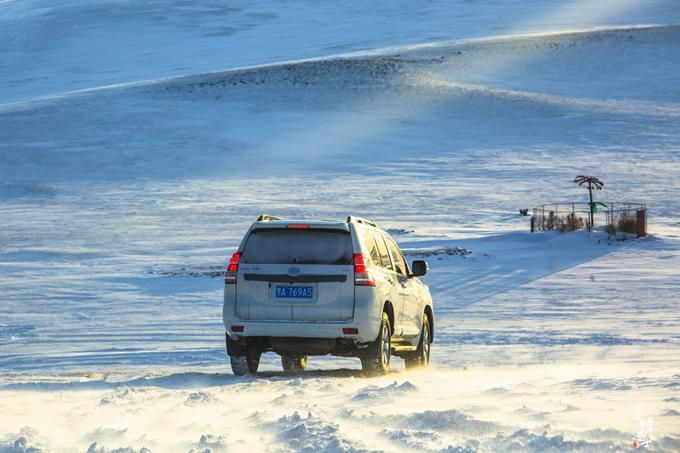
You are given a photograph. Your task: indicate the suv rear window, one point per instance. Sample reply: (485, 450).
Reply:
(309, 246)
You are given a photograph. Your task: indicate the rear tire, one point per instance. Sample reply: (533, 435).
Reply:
(376, 359)
(244, 358)
(293, 363)
(421, 358)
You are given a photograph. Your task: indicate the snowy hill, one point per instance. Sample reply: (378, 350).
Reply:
(138, 141)
(56, 47)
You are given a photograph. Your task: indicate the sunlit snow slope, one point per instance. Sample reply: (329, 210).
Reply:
(119, 205)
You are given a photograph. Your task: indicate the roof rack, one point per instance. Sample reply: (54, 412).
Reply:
(353, 219)
(267, 218)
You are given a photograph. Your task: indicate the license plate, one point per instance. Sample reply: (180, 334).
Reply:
(294, 292)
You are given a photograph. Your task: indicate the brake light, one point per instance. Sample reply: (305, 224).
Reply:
(232, 269)
(297, 227)
(362, 277)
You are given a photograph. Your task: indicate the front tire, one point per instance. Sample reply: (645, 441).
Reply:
(421, 358)
(293, 363)
(376, 358)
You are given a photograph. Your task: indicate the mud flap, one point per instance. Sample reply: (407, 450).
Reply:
(236, 348)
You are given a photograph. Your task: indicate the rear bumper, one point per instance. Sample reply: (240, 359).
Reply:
(367, 318)
(279, 329)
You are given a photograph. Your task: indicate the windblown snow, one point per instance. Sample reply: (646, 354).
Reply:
(138, 141)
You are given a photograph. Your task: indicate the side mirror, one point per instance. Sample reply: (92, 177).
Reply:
(419, 268)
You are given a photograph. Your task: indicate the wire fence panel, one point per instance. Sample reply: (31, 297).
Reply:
(613, 217)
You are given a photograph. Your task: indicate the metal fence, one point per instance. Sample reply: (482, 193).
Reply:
(613, 217)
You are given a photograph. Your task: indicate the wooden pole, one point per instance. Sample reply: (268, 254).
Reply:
(590, 191)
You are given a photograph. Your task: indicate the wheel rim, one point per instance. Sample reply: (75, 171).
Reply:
(426, 344)
(385, 345)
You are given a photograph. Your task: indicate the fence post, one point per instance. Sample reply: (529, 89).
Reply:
(641, 226)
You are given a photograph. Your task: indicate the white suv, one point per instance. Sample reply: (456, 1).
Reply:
(313, 288)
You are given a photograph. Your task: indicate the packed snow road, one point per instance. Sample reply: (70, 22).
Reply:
(119, 207)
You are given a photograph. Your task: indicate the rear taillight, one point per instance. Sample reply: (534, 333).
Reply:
(232, 269)
(362, 277)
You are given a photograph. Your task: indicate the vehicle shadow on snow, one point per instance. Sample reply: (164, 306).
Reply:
(178, 381)
(315, 374)
(169, 381)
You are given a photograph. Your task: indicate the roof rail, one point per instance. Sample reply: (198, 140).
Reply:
(267, 218)
(353, 219)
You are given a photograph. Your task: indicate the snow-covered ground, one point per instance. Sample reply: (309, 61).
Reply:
(128, 173)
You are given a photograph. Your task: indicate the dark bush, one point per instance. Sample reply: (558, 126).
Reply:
(550, 221)
(571, 223)
(627, 223)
